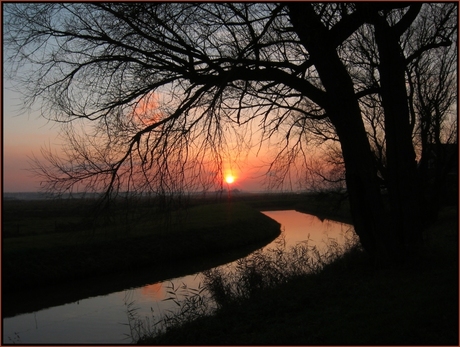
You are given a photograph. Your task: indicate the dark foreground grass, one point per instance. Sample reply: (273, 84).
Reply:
(55, 247)
(347, 303)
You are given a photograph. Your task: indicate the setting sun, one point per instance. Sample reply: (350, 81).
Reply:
(229, 179)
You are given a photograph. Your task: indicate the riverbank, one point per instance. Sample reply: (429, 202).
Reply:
(47, 246)
(348, 303)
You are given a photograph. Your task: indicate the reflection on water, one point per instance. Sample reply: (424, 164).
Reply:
(300, 226)
(104, 319)
(154, 291)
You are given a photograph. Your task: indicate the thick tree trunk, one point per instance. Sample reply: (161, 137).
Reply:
(368, 211)
(370, 217)
(403, 185)
(367, 208)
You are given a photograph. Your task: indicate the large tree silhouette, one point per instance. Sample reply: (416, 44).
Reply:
(163, 84)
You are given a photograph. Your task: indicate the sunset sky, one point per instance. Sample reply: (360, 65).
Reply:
(25, 133)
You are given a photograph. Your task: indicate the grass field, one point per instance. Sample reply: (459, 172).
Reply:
(47, 242)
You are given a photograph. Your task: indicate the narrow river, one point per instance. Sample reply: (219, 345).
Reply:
(104, 319)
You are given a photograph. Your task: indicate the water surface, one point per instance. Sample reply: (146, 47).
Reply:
(104, 319)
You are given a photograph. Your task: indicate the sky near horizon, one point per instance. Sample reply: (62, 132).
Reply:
(26, 133)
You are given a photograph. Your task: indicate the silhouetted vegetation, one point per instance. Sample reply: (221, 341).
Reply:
(346, 302)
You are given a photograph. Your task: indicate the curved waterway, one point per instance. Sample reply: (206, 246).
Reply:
(104, 319)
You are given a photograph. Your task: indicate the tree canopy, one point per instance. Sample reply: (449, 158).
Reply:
(151, 94)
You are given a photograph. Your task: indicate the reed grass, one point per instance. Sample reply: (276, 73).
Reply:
(246, 279)
(269, 268)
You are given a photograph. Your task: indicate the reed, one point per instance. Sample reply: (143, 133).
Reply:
(268, 268)
(246, 279)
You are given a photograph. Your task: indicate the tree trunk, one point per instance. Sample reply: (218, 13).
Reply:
(367, 208)
(403, 185)
(370, 216)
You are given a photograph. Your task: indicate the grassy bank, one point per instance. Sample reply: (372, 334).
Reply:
(45, 243)
(348, 302)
